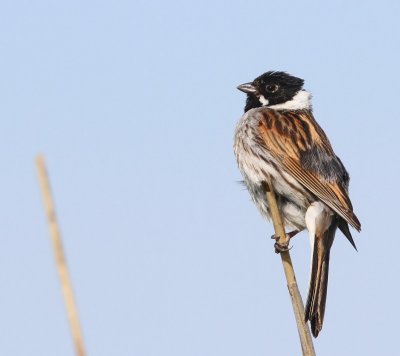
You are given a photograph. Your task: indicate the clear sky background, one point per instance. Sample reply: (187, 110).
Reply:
(134, 105)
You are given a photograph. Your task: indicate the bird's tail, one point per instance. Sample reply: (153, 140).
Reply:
(316, 300)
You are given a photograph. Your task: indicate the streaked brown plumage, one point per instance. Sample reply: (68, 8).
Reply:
(287, 137)
(278, 141)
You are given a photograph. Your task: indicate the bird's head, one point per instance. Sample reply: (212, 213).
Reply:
(277, 90)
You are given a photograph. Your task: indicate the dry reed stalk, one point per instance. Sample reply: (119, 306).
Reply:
(298, 307)
(62, 267)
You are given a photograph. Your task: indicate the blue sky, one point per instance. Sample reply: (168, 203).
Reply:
(134, 105)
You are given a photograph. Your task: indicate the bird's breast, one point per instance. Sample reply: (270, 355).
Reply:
(257, 166)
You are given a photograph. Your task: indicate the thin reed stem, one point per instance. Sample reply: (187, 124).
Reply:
(298, 307)
(66, 284)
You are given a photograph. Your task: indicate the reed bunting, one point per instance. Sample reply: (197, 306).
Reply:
(278, 142)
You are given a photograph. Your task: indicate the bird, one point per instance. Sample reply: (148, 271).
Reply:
(278, 142)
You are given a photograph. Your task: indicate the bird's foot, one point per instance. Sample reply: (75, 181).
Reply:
(283, 247)
(279, 248)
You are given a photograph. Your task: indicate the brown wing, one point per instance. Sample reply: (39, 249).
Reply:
(296, 141)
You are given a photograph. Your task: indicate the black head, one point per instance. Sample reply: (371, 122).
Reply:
(271, 88)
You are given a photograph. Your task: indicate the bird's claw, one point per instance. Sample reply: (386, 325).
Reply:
(283, 247)
(279, 248)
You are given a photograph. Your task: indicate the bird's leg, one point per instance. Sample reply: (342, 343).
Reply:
(289, 235)
(279, 247)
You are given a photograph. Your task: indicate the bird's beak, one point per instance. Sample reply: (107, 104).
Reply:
(247, 88)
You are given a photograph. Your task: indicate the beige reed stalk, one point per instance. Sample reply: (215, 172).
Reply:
(62, 268)
(298, 307)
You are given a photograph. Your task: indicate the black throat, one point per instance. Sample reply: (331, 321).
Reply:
(251, 103)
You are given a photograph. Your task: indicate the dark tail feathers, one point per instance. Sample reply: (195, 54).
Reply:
(316, 300)
(344, 228)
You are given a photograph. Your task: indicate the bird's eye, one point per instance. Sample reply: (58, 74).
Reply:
(272, 88)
